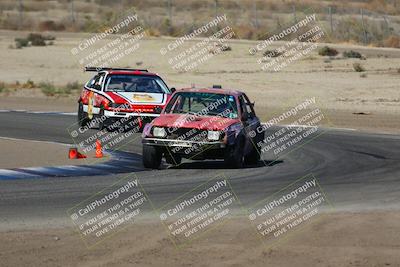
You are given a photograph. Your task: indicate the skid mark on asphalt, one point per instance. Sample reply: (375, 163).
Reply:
(120, 162)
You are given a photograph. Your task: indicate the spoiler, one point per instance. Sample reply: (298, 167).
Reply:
(98, 69)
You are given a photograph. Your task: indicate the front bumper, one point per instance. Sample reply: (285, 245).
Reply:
(183, 143)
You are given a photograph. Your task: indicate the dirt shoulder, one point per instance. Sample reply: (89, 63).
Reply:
(19, 153)
(335, 239)
(62, 104)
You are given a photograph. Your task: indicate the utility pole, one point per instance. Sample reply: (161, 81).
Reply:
(72, 12)
(169, 6)
(216, 8)
(330, 18)
(20, 10)
(255, 14)
(294, 13)
(363, 26)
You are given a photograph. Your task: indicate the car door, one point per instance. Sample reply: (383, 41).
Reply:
(94, 96)
(250, 122)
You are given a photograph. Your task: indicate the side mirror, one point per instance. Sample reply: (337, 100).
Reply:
(173, 89)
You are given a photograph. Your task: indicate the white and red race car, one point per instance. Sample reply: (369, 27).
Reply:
(116, 93)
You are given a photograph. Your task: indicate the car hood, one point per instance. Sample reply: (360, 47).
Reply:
(216, 123)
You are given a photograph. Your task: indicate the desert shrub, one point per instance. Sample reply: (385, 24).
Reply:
(36, 39)
(2, 87)
(352, 54)
(29, 84)
(271, 53)
(48, 88)
(218, 48)
(392, 41)
(50, 25)
(358, 67)
(73, 85)
(327, 51)
(21, 42)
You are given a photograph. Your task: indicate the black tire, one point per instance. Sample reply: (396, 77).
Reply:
(151, 157)
(253, 157)
(102, 123)
(105, 124)
(234, 155)
(83, 119)
(173, 159)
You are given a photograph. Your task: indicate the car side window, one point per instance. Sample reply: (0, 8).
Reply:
(96, 81)
(248, 106)
(242, 105)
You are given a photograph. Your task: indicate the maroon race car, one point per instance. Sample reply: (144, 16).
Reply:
(202, 124)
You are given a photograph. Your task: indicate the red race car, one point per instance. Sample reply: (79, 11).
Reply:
(203, 124)
(117, 93)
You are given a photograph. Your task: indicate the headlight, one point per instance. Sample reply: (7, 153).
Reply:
(159, 132)
(213, 135)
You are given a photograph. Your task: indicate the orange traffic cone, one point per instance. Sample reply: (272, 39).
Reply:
(99, 150)
(74, 154)
(81, 156)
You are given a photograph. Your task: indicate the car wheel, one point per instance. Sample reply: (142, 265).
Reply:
(253, 157)
(82, 116)
(173, 159)
(151, 157)
(234, 155)
(104, 123)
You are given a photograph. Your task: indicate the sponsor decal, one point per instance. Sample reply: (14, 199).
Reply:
(143, 98)
(90, 105)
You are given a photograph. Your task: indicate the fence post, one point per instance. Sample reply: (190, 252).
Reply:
(255, 14)
(169, 11)
(169, 6)
(387, 30)
(72, 12)
(331, 19)
(20, 10)
(216, 7)
(363, 26)
(294, 13)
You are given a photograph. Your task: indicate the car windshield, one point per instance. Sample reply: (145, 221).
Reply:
(203, 104)
(135, 83)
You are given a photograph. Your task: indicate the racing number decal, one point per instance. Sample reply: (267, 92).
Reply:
(90, 105)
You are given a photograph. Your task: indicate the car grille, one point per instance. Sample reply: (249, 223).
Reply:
(186, 134)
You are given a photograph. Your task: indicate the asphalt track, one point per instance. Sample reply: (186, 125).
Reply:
(357, 171)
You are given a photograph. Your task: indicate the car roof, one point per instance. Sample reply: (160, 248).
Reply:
(129, 72)
(212, 90)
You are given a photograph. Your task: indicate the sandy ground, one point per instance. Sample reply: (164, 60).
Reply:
(339, 90)
(334, 239)
(24, 153)
(337, 239)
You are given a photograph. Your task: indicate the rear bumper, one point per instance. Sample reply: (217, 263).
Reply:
(119, 114)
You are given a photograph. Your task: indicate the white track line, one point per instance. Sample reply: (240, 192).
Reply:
(36, 141)
(40, 112)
